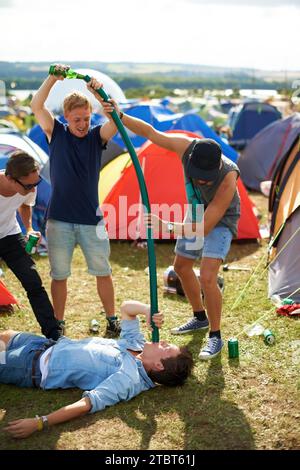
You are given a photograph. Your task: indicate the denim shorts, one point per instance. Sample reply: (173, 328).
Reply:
(215, 245)
(16, 361)
(93, 241)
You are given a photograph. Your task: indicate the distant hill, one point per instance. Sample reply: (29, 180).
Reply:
(130, 74)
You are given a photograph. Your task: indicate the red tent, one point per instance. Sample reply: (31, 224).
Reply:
(163, 173)
(6, 298)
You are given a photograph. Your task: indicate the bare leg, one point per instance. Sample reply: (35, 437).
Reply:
(190, 283)
(213, 298)
(105, 290)
(59, 297)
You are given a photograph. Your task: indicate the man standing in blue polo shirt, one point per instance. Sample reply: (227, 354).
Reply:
(73, 214)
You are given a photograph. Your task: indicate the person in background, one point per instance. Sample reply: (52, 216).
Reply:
(17, 193)
(74, 217)
(108, 370)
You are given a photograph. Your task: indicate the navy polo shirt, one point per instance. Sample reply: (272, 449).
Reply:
(74, 173)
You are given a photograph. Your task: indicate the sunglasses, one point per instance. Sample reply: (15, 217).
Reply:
(28, 187)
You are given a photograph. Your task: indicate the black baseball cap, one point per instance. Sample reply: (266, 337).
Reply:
(203, 160)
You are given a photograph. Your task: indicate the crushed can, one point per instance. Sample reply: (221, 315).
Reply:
(94, 326)
(269, 337)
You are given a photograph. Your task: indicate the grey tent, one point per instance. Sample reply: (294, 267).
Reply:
(284, 203)
(265, 151)
(284, 272)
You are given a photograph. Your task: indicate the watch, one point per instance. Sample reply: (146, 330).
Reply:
(45, 422)
(170, 227)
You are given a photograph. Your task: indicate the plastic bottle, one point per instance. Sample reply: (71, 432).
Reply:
(69, 73)
(276, 300)
(255, 330)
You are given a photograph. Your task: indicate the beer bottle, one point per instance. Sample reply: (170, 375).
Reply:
(69, 73)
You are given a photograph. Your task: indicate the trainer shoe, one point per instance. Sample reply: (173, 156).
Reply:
(212, 349)
(113, 328)
(192, 325)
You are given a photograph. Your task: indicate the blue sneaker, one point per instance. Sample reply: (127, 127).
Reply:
(212, 349)
(192, 325)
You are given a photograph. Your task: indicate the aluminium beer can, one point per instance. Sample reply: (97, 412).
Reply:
(233, 348)
(269, 337)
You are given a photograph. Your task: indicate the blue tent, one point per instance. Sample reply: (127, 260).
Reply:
(163, 119)
(160, 117)
(194, 123)
(37, 135)
(248, 119)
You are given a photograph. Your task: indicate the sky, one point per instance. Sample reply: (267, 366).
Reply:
(258, 34)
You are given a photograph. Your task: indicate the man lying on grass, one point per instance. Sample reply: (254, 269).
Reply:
(108, 370)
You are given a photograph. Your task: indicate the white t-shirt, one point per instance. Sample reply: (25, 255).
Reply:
(44, 365)
(8, 212)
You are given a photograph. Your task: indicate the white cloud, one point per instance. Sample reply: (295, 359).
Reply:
(249, 3)
(178, 31)
(6, 3)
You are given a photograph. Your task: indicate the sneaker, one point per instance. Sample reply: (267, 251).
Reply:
(113, 328)
(192, 325)
(7, 309)
(212, 349)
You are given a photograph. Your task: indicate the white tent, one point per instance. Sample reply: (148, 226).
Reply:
(11, 141)
(64, 87)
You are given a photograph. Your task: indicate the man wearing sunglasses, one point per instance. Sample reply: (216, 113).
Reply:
(17, 193)
(209, 226)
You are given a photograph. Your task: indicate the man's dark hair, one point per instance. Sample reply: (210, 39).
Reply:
(20, 164)
(176, 369)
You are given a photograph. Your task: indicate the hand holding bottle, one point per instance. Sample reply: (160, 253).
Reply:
(59, 71)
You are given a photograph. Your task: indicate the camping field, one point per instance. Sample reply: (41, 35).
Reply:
(246, 403)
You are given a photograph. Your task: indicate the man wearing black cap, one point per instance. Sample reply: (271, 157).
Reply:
(208, 228)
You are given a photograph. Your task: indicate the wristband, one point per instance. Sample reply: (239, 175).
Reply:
(40, 424)
(121, 115)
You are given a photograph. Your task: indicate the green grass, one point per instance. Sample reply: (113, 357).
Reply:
(250, 403)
